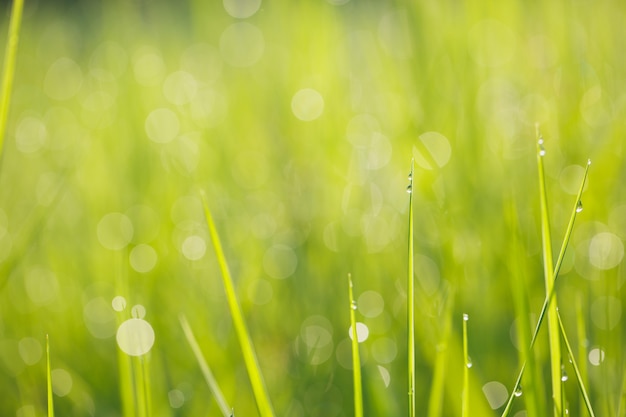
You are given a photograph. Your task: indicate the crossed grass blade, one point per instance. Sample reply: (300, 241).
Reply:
(557, 268)
(204, 367)
(245, 342)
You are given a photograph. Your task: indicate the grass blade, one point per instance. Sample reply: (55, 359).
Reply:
(579, 378)
(465, 404)
(252, 365)
(356, 359)
(411, 302)
(204, 367)
(9, 66)
(49, 379)
(568, 233)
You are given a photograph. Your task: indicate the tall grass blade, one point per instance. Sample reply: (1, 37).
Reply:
(581, 331)
(356, 359)
(465, 403)
(49, 379)
(252, 365)
(579, 378)
(548, 270)
(442, 359)
(204, 367)
(557, 268)
(411, 302)
(8, 71)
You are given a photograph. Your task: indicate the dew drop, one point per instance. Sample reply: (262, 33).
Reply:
(409, 189)
(410, 176)
(588, 161)
(469, 363)
(518, 391)
(465, 317)
(579, 206)
(542, 150)
(353, 305)
(564, 376)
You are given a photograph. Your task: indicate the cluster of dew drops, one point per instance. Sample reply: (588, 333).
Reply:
(135, 336)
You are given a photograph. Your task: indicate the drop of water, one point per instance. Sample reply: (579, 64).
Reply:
(579, 206)
(588, 161)
(518, 391)
(469, 363)
(564, 376)
(410, 176)
(542, 150)
(409, 189)
(465, 317)
(353, 305)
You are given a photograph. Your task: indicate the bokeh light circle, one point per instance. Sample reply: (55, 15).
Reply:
(307, 104)
(242, 44)
(242, 9)
(135, 337)
(115, 231)
(162, 125)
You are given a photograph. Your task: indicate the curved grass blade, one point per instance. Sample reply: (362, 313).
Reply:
(411, 302)
(9, 66)
(49, 379)
(204, 367)
(356, 359)
(252, 365)
(557, 268)
(579, 378)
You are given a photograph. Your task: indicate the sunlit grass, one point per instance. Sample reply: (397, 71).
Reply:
(356, 358)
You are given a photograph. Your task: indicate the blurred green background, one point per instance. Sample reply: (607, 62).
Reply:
(299, 120)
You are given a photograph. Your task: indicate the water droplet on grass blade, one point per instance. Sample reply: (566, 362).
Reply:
(409, 189)
(465, 317)
(542, 149)
(564, 376)
(353, 305)
(579, 206)
(469, 363)
(518, 391)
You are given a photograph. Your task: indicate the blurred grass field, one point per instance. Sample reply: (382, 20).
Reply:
(299, 120)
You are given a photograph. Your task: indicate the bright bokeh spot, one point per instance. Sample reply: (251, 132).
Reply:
(115, 231)
(242, 9)
(118, 303)
(176, 398)
(61, 382)
(242, 44)
(63, 79)
(433, 150)
(362, 332)
(606, 251)
(180, 88)
(307, 104)
(193, 248)
(162, 125)
(280, 261)
(30, 350)
(143, 258)
(138, 311)
(371, 304)
(31, 135)
(496, 394)
(606, 312)
(41, 286)
(135, 337)
(596, 356)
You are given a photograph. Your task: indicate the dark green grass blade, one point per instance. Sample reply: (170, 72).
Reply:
(49, 379)
(557, 268)
(579, 378)
(356, 359)
(9, 67)
(252, 365)
(411, 303)
(204, 367)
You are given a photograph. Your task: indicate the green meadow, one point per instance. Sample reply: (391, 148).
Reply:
(202, 201)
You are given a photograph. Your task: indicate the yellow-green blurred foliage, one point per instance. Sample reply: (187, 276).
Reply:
(299, 119)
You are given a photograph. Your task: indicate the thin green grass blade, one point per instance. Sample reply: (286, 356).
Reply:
(548, 270)
(465, 402)
(411, 302)
(49, 379)
(579, 378)
(204, 367)
(356, 359)
(581, 331)
(9, 66)
(568, 233)
(252, 365)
